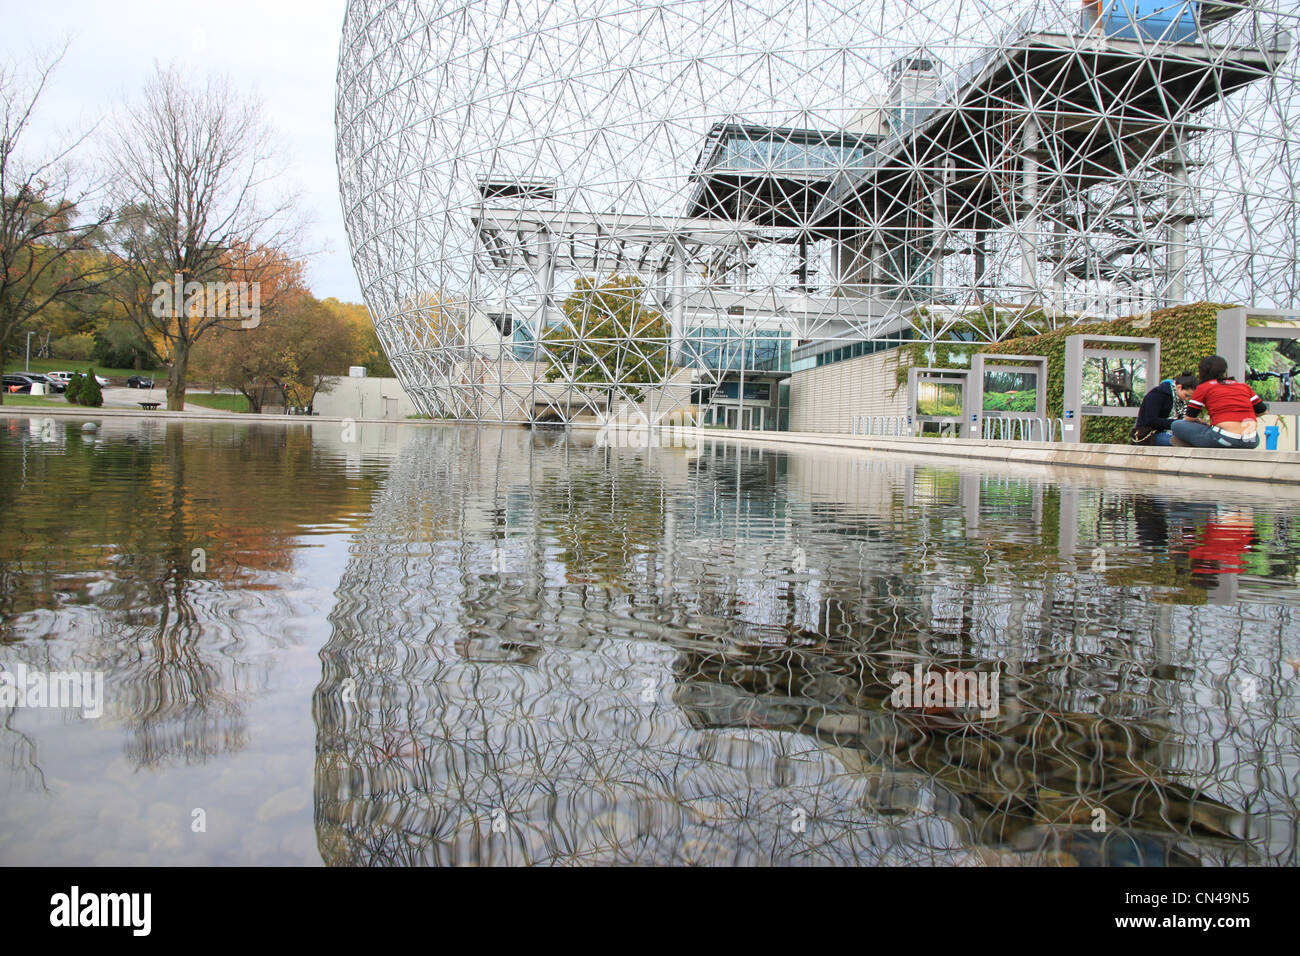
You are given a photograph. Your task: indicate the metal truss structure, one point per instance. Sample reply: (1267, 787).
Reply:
(565, 208)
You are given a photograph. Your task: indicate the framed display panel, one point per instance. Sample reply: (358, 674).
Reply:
(1113, 381)
(1106, 375)
(1007, 386)
(1009, 389)
(937, 399)
(1262, 347)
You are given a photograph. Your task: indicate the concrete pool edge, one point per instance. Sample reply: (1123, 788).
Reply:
(1256, 466)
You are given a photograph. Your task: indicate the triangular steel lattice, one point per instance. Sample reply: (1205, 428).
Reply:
(774, 173)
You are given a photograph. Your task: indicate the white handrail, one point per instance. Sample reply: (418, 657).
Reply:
(1022, 429)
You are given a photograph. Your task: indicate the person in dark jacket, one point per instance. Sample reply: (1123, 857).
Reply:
(1163, 406)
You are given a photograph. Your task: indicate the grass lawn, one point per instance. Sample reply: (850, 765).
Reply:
(36, 401)
(225, 403)
(15, 364)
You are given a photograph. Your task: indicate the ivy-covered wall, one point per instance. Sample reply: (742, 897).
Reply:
(1187, 333)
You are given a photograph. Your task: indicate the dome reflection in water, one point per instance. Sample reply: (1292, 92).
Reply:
(544, 651)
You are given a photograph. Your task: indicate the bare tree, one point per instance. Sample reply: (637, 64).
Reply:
(193, 167)
(47, 244)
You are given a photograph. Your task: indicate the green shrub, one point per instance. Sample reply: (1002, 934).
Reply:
(84, 390)
(90, 393)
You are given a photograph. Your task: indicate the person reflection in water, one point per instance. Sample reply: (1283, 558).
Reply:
(1223, 544)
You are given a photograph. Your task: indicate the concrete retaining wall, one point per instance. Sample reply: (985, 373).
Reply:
(364, 398)
(826, 399)
(1258, 465)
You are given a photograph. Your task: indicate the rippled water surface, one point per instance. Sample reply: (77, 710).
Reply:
(436, 645)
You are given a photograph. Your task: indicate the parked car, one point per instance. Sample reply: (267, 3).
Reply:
(52, 384)
(66, 377)
(17, 384)
(139, 381)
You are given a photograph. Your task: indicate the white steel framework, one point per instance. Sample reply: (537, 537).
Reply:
(568, 208)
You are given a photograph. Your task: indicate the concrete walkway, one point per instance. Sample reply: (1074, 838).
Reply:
(122, 398)
(1258, 465)
(130, 398)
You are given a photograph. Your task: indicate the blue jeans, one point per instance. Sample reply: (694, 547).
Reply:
(1202, 435)
(1163, 439)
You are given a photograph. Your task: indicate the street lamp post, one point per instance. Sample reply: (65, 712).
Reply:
(27, 366)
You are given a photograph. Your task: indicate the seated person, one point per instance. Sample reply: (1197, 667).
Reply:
(1233, 407)
(1163, 406)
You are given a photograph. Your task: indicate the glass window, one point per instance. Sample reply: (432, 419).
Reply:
(525, 347)
(791, 151)
(724, 349)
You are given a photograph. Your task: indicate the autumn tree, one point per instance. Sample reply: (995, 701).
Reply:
(319, 345)
(609, 335)
(291, 354)
(193, 167)
(45, 238)
(371, 353)
(432, 320)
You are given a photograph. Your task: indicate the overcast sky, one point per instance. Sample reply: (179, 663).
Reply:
(285, 50)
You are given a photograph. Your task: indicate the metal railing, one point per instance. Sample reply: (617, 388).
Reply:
(892, 425)
(1022, 429)
(991, 429)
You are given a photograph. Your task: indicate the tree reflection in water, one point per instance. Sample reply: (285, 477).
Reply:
(98, 569)
(544, 651)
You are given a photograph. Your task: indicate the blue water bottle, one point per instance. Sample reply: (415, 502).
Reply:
(1270, 437)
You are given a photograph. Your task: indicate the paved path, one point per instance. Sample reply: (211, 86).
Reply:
(119, 397)
(123, 397)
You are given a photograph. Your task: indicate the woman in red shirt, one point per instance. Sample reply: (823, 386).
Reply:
(1233, 407)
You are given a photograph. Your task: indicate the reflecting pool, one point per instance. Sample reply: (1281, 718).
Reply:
(421, 644)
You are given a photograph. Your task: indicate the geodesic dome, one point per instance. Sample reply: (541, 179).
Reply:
(558, 207)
